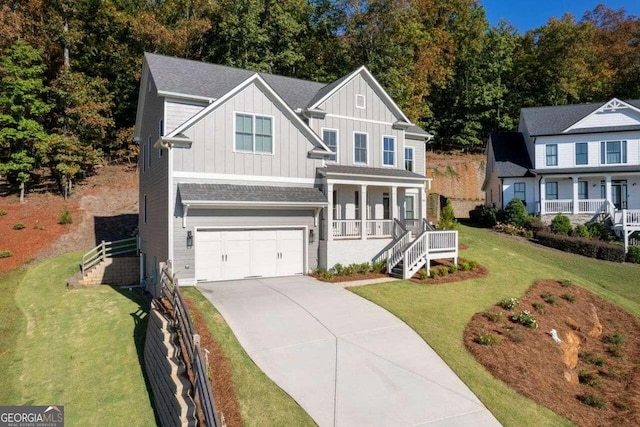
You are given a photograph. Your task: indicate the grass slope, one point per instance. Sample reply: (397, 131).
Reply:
(440, 313)
(77, 348)
(262, 402)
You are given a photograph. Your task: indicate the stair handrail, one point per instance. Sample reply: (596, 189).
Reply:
(398, 228)
(413, 252)
(108, 250)
(396, 252)
(426, 226)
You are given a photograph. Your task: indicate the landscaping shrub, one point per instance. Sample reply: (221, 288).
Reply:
(363, 268)
(598, 230)
(538, 307)
(473, 265)
(549, 298)
(350, 270)
(486, 338)
(561, 225)
(442, 271)
(3, 212)
(338, 269)
(327, 275)
(422, 274)
(633, 254)
(464, 265)
(615, 351)
(592, 359)
(453, 268)
(588, 378)
(65, 217)
(581, 230)
(448, 218)
(525, 318)
(582, 246)
(6, 254)
(18, 226)
(379, 266)
(509, 304)
(485, 216)
(615, 339)
(591, 400)
(516, 213)
(568, 297)
(493, 317)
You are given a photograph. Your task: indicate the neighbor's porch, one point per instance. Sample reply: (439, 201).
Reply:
(588, 194)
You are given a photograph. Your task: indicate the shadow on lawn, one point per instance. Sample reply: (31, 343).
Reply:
(140, 321)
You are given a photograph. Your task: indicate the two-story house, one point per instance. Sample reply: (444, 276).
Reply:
(246, 174)
(578, 160)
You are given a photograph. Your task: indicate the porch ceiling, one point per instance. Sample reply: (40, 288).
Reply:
(360, 172)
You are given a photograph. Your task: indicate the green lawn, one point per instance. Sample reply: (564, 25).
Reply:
(261, 401)
(440, 313)
(78, 348)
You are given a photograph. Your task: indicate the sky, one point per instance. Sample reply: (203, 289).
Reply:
(529, 14)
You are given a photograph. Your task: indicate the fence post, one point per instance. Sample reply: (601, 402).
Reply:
(104, 250)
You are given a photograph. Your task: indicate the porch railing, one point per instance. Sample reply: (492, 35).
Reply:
(443, 241)
(346, 229)
(558, 206)
(590, 205)
(380, 228)
(631, 218)
(108, 250)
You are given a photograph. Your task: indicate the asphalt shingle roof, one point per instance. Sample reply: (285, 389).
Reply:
(554, 120)
(249, 193)
(510, 154)
(364, 170)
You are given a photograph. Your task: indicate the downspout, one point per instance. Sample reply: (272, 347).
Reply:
(502, 194)
(540, 194)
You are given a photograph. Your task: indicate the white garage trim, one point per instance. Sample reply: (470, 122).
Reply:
(303, 229)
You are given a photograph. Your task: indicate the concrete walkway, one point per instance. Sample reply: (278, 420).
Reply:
(345, 360)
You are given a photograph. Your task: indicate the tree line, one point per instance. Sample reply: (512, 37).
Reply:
(69, 69)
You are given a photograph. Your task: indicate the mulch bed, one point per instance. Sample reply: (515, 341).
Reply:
(552, 374)
(224, 392)
(458, 276)
(350, 278)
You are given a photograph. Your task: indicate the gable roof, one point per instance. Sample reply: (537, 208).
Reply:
(202, 79)
(510, 155)
(555, 120)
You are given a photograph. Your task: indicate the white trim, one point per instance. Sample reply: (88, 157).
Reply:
(404, 159)
(256, 178)
(253, 131)
(377, 122)
(399, 184)
(363, 105)
(353, 139)
(184, 96)
(612, 105)
(395, 151)
(142, 96)
(337, 160)
(303, 228)
(194, 204)
(172, 203)
(261, 84)
(376, 87)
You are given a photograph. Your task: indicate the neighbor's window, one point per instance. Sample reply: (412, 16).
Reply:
(583, 190)
(552, 155)
(360, 147)
(612, 152)
(408, 158)
(330, 138)
(582, 153)
(254, 133)
(551, 190)
(388, 151)
(520, 191)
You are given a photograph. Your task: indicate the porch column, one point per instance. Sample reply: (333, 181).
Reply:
(576, 202)
(394, 202)
(423, 204)
(543, 195)
(363, 212)
(607, 183)
(329, 215)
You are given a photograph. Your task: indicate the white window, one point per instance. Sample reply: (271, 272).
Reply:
(408, 208)
(551, 190)
(360, 148)
(408, 158)
(520, 191)
(552, 154)
(388, 151)
(254, 134)
(361, 101)
(612, 152)
(330, 138)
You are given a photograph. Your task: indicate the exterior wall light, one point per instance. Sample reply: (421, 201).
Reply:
(189, 239)
(311, 235)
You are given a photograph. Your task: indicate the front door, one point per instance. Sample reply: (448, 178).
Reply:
(619, 194)
(386, 211)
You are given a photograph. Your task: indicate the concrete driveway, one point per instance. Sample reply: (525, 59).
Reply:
(345, 360)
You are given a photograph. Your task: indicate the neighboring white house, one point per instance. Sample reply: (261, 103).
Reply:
(578, 160)
(246, 174)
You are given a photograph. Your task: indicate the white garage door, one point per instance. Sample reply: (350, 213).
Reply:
(227, 255)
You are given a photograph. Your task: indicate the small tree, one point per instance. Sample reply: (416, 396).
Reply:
(516, 213)
(448, 217)
(561, 225)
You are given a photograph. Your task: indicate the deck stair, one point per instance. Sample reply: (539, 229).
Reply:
(113, 263)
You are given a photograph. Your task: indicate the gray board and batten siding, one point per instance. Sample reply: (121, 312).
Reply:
(290, 146)
(154, 184)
